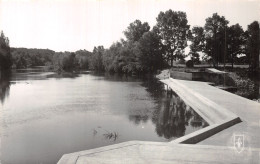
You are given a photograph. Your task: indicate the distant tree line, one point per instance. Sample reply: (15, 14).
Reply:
(25, 58)
(220, 43)
(70, 61)
(58, 61)
(147, 49)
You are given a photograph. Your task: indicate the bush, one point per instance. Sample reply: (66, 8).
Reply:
(181, 61)
(189, 64)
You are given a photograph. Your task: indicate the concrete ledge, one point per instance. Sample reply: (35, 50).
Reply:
(181, 75)
(218, 117)
(213, 70)
(154, 152)
(186, 75)
(73, 157)
(207, 109)
(219, 110)
(206, 132)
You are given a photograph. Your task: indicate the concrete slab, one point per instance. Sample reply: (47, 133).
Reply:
(163, 153)
(226, 137)
(218, 117)
(247, 110)
(206, 108)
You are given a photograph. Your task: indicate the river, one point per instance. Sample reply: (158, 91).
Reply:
(44, 115)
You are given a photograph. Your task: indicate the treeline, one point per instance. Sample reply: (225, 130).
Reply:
(18, 58)
(139, 53)
(70, 61)
(25, 58)
(57, 61)
(147, 49)
(221, 43)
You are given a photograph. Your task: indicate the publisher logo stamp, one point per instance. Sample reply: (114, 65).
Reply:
(239, 143)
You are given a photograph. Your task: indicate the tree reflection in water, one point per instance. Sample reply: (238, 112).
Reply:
(137, 119)
(4, 87)
(171, 115)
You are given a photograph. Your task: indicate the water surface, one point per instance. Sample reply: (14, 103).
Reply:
(44, 116)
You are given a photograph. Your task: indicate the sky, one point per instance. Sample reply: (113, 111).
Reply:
(70, 25)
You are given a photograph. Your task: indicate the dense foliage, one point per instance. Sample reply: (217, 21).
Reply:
(221, 43)
(236, 39)
(58, 61)
(173, 29)
(215, 28)
(5, 53)
(136, 30)
(253, 45)
(140, 53)
(24, 58)
(197, 43)
(67, 61)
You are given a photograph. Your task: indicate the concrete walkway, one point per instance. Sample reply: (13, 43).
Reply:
(247, 110)
(227, 114)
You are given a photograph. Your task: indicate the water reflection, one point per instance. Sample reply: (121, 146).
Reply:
(137, 119)
(172, 115)
(116, 77)
(65, 115)
(4, 87)
(154, 87)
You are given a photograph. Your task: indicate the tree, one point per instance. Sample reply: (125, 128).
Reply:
(253, 45)
(68, 61)
(136, 30)
(215, 27)
(83, 58)
(197, 43)
(149, 52)
(64, 61)
(173, 28)
(236, 42)
(5, 53)
(129, 58)
(112, 59)
(122, 57)
(97, 58)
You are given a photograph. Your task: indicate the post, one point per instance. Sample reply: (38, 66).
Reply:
(225, 48)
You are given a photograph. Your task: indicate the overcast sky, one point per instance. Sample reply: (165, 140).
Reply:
(70, 25)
